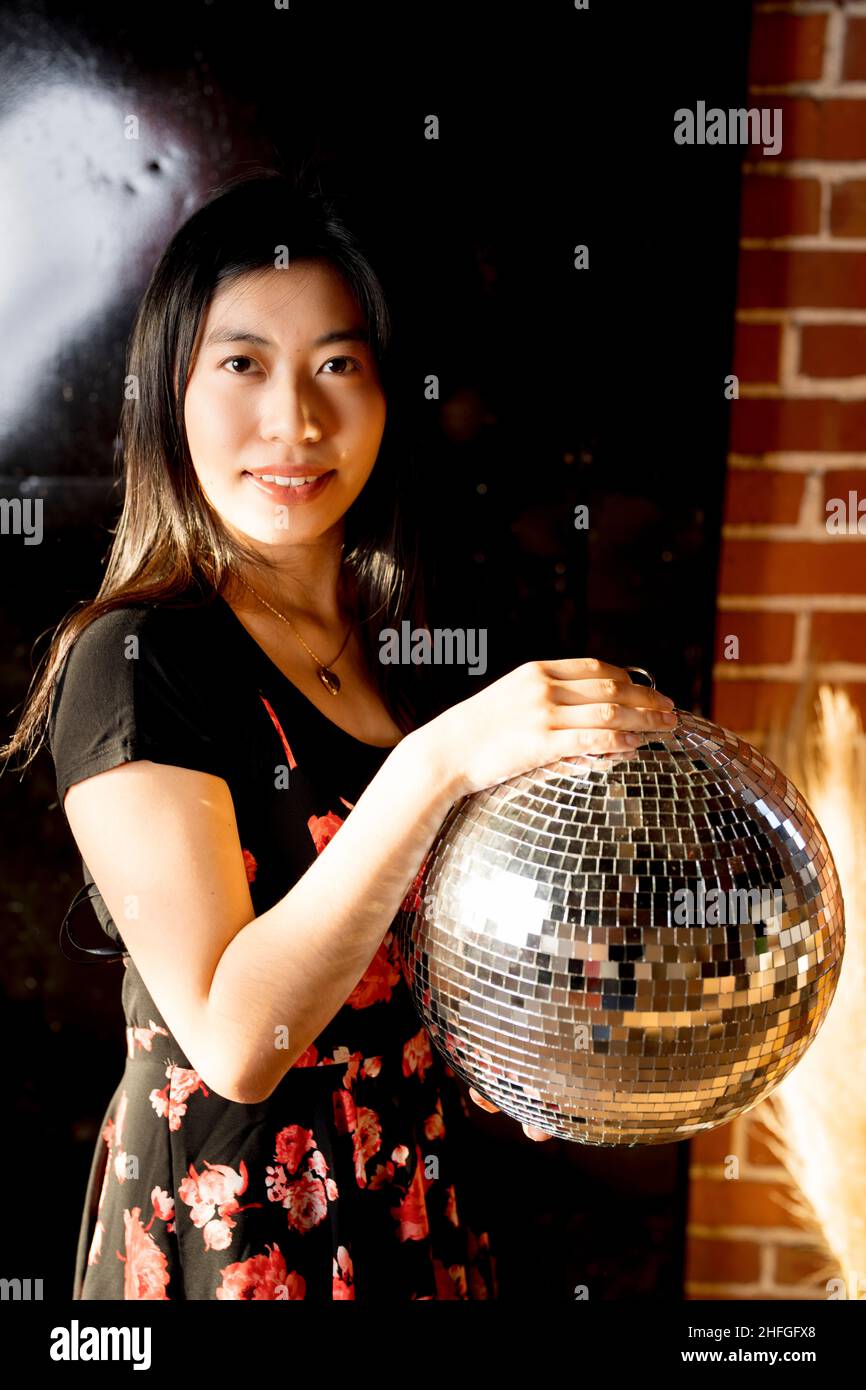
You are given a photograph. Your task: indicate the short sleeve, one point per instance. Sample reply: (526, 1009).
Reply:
(131, 687)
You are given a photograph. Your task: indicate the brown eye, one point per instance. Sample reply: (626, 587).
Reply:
(229, 360)
(357, 366)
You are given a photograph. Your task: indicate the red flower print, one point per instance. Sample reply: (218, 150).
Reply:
(451, 1282)
(384, 1174)
(163, 1204)
(170, 1101)
(212, 1199)
(323, 829)
(250, 865)
(308, 1058)
(295, 1287)
(411, 1213)
(143, 1037)
(434, 1125)
(344, 1280)
(316, 1164)
(306, 1203)
(291, 1145)
(451, 1207)
(400, 1155)
(146, 1268)
(380, 977)
(344, 1112)
(367, 1140)
(261, 1277)
(417, 1054)
(372, 1066)
(305, 1198)
(290, 757)
(352, 1070)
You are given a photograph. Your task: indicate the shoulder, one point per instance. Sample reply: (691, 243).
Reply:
(138, 681)
(150, 633)
(136, 654)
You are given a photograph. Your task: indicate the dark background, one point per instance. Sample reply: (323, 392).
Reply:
(558, 387)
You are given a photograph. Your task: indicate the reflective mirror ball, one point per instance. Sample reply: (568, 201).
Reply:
(630, 948)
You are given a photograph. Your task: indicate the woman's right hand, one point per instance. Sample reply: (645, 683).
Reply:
(540, 712)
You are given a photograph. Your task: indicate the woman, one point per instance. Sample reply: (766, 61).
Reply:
(283, 1127)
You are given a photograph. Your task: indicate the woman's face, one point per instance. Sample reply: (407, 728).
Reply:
(280, 386)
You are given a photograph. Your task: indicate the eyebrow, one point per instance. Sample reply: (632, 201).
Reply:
(356, 334)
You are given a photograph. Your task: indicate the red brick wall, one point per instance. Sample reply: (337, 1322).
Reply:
(793, 595)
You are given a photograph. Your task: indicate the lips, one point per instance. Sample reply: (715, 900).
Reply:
(289, 492)
(288, 472)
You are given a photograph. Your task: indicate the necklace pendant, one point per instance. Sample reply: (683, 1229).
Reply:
(329, 680)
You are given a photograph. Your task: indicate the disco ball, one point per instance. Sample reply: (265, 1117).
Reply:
(629, 948)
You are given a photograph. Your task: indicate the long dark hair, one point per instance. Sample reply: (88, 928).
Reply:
(169, 544)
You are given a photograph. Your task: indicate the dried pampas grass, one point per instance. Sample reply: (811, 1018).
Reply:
(816, 1118)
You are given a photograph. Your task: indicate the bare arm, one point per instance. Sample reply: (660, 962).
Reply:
(162, 845)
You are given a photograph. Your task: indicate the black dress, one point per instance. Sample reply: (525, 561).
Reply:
(348, 1181)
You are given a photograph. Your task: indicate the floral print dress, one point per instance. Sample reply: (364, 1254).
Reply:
(353, 1179)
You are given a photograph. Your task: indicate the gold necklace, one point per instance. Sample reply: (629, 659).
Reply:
(330, 680)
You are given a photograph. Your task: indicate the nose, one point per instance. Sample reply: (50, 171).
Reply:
(290, 415)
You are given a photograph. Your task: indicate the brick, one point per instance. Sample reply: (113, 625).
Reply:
(832, 349)
(793, 567)
(761, 425)
(854, 59)
(803, 1264)
(838, 637)
(838, 482)
(777, 279)
(786, 47)
(722, 1261)
(756, 351)
(774, 206)
(848, 208)
(815, 129)
(761, 495)
(763, 637)
(745, 705)
(740, 1202)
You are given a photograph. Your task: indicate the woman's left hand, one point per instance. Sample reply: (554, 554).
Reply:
(539, 1135)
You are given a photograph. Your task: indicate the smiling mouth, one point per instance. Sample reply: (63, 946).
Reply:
(283, 480)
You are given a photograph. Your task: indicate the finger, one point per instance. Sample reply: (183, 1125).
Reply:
(483, 1102)
(592, 743)
(583, 668)
(608, 690)
(539, 1135)
(607, 716)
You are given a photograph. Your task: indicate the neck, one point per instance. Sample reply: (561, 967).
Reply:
(310, 584)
